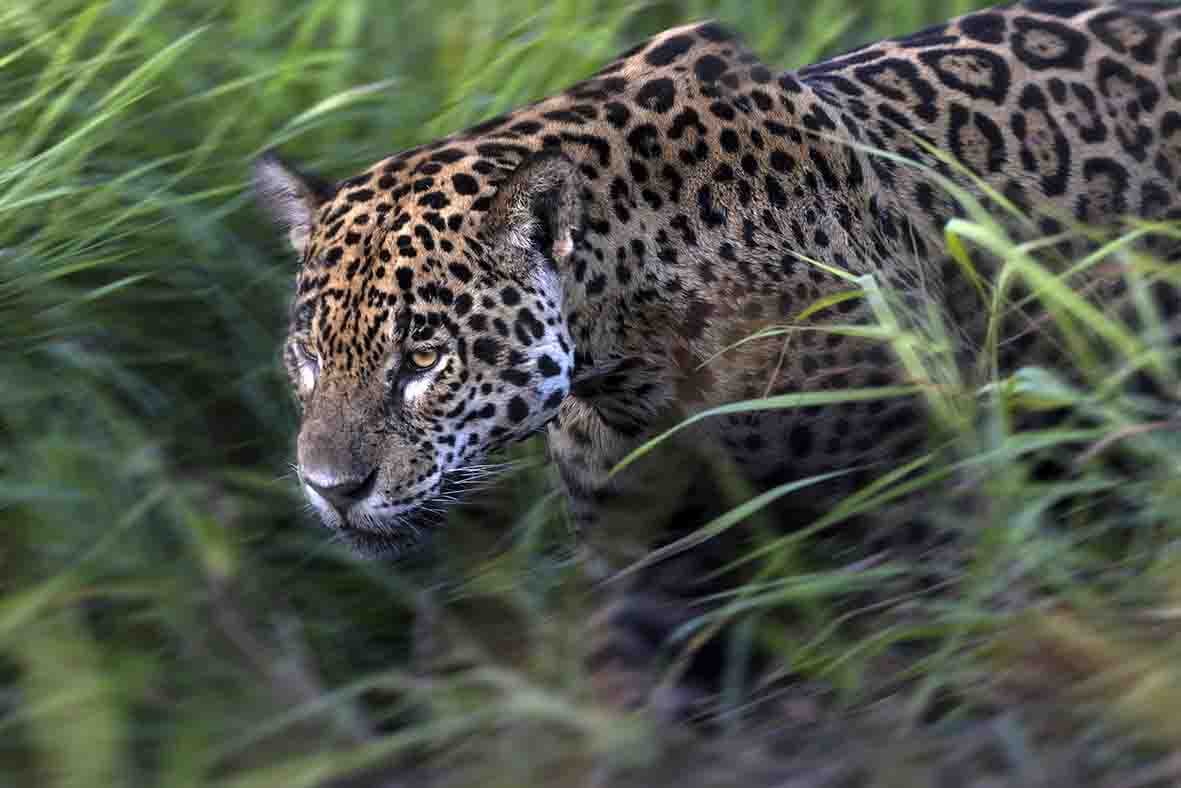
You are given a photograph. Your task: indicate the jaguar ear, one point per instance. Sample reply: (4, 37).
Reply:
(289, 196)
(539, 207)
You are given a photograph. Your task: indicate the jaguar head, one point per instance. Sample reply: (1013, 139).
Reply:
(426, 330)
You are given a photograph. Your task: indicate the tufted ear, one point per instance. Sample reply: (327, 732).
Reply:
(539, 207)
(289, 196)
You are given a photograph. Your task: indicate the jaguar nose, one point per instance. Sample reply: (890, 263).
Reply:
(341, 492)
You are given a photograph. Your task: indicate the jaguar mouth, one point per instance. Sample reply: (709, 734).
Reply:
(377, 531)
(390, 538)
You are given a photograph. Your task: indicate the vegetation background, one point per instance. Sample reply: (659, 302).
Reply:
(170, 616)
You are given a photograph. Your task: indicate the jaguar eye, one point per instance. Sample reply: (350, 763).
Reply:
(307, 366)
(422, 360)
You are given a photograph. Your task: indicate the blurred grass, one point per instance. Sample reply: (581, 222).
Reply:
(167, 617)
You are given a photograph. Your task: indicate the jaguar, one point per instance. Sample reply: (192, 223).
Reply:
(602, 264)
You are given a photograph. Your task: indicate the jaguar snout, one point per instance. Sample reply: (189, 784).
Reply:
(342, 490)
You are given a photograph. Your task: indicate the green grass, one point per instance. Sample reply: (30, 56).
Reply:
(168, 616)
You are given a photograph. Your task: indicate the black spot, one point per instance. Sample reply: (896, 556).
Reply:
(1154, 200)
(613, 85)
(1144, 31)
(781, 162)
(789, 84)
(697, 318)
(405, 277)
(900, 81)
(685, 119)
(776, 129)
(424, 237)
(460, 272)
(681, 222)
(645, 141)
(518, 410)
(820, 161)
(657, 95)
(729, 141)
(978, 73)
(1044, 45)
(924, 196)
(722, 110)
(595, 143)
(709, 68)
(564, 116)
(464, 183)
(548, 367)
(489, 125)
(435, 200)
(675, 181)
(515, 377)
(775, 193)
(1045, 149)
(596, 285)
(1116, 185)
(967, 132)
(985, 28)
(638, 171)
(486, 349)
(617, 114)
(669, 50)
(448, 155)
(463, 304)
(710, 215)
(712, 31)
(1060, 8)
(1121, 84)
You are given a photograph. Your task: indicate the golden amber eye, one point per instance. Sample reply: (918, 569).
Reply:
(422, 360)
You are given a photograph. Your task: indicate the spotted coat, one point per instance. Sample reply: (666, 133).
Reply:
(586, 264)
